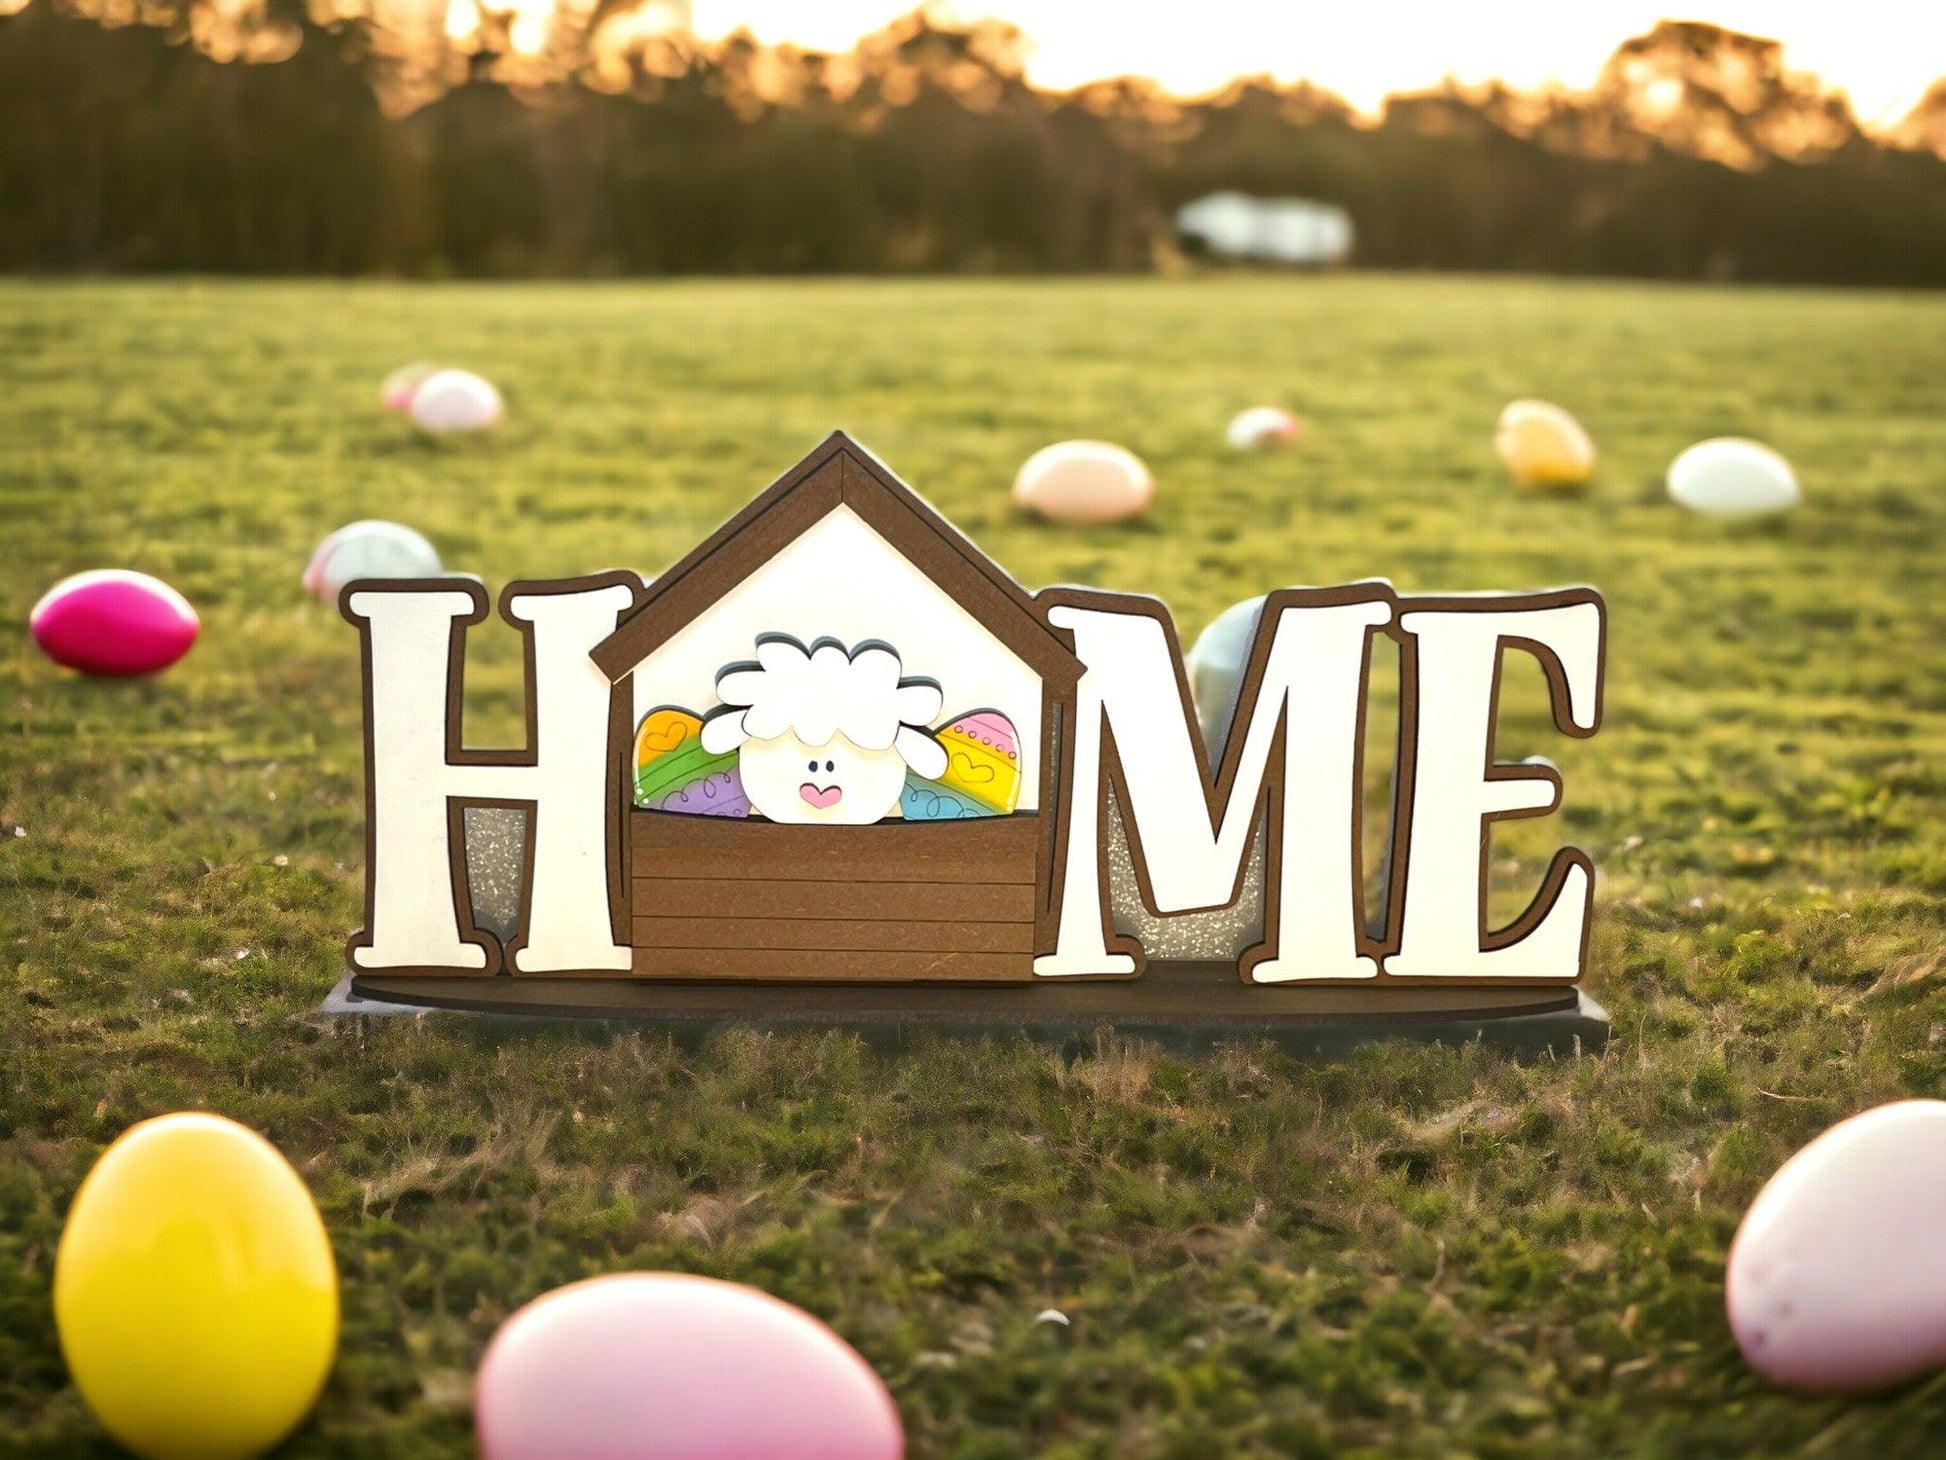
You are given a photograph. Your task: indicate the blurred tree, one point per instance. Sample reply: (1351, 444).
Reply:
(598, 136)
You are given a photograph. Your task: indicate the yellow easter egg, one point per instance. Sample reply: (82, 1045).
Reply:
(1543, 446)
(194, 1291)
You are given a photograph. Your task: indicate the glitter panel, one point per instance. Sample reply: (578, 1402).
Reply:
(496, 850)
(1217, 936)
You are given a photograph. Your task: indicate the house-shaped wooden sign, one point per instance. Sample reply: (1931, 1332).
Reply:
(836, 765)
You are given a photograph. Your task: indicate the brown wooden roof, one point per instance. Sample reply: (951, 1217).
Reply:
(840, 471)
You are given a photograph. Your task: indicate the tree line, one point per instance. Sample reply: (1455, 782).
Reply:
(295, 146)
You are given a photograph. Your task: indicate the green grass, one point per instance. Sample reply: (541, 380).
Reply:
(1419, 1250)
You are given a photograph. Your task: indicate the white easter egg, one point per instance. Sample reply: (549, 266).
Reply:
(1543, 446)
(1260, 427)
(1215, 667)
(1084, 482)
(369, 549)
(1731, 477)
(456, 400)
(1837, 1277)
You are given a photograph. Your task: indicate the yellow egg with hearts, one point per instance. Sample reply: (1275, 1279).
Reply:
(194, 1291)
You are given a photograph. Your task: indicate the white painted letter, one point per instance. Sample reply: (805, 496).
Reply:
(1457, 791)
(1307, 681)
(562, 776)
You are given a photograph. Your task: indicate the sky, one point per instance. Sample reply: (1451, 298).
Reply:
(1883, 53)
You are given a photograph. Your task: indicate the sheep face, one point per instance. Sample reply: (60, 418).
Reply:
(836, 783)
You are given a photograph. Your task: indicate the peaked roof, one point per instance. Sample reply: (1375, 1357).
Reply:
(839, 472)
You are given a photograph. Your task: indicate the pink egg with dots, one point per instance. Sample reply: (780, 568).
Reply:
(662, 1366)
(113, 623)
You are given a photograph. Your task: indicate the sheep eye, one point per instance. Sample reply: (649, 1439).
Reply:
(830, 765)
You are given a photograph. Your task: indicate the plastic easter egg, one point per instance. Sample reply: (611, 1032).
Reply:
(659, 1366)
(370, 549)
(114, 623)
(194, 1291)
(402, 384)
(1543, 446)
(1084, 482)
(1731, 477)
(455, 400)
(1261, 427)
(1837, 1277)
(1215, 667)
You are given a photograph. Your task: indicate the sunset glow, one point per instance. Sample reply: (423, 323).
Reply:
(1882, 53)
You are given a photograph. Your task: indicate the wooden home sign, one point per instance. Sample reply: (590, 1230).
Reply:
(835, 765)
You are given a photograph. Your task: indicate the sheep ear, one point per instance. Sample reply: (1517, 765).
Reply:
(919, 701)
(920, 751)
(723, 732)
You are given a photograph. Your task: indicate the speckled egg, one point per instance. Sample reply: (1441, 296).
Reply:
(1837, 1277)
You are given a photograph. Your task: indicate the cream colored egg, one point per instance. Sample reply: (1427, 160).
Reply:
(1543, 446)
(1732, 477)
(1085, 482)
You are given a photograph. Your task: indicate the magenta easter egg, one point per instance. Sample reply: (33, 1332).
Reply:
(1837, 1277)
(661, 1366)
(113, 622)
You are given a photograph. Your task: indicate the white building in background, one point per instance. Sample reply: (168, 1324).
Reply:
(1268, 230)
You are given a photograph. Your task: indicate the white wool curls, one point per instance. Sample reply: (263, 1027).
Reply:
(823, 691)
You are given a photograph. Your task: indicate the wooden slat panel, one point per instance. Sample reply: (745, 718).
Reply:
(1002, 850)
(805, 934)
(795, 966)
(844, 901)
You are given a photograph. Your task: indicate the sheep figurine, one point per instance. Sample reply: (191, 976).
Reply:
(825, 734)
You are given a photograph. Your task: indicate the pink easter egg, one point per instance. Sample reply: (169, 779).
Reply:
(402, 384)
(113, 622)
(1837, 1279)
(661, 1366)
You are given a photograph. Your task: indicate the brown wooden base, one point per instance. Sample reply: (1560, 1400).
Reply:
(1184, 1005)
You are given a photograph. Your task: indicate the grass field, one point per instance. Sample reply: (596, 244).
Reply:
(1417, 1251)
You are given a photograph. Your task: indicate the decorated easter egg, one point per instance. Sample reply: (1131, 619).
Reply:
(1084, 482)
(983, 760)
(1215, 666)
(660, 1366)
(113, 622)
(673, 772)
(1260, 427)
(1837, 1277)
(402, 384)
(455, 400)
(370, 549)
(1543, 446)
(194, 1291)
(1731, 477)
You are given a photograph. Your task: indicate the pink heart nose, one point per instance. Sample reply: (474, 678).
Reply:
(831, 796)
